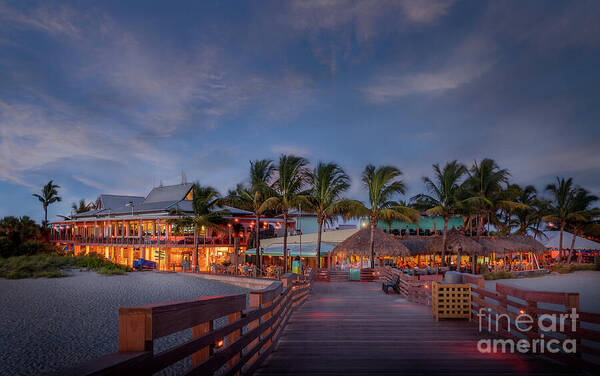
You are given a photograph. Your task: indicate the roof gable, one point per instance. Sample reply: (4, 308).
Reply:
(170, 193)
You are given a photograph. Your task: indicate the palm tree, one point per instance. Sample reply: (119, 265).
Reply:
(49, 196)
(443, 198)
(581, 205)
(485, 188)
(252, 198)
(206, 216)
(83, 206)
(564, 208)
(287, 188)
(328, 182)
(383, 184)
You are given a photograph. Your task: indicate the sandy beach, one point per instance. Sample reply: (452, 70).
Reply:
(586, 283)
(49, 324)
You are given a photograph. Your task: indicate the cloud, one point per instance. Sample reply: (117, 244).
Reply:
(291, 149)
(465, 63)
(134, 90)
(425, 11)
(547, 28)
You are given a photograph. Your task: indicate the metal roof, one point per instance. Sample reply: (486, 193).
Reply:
(170, 193)
(117, 201)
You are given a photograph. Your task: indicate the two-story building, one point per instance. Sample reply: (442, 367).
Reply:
(126, 228)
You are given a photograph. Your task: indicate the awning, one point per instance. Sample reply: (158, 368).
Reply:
(553, 241)
(307, 249)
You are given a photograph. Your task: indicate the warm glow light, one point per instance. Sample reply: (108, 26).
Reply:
(236, 220)
(219, 343)
(521, 311)
(229, 225)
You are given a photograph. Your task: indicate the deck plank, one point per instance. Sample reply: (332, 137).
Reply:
(355, 329)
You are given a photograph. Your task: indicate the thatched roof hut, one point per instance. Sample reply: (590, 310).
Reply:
(359, 244)
(498, 244)
(532, 244)
(455, 243)
(514, 243)
(415, 244)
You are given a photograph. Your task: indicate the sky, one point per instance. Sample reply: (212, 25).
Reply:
(118, 96)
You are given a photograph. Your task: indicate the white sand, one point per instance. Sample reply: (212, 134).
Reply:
(49, 324)
(586, 283)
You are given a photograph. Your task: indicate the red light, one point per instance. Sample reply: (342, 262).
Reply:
(236, 220)
(219, 343)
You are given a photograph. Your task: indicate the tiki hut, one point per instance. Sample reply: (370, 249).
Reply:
(532, 244)
(456, 243)
(501, 250)
(359, 245)
(415, 244)
(498, 244)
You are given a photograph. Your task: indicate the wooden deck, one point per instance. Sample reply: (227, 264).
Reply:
(355, 329)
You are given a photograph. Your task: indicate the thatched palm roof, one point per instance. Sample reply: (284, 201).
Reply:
(514, 243)
(358, 244)
(532, 244)
(415, 244)
(455, 243)
(498, 244)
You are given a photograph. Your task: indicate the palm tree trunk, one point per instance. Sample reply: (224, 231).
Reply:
(45, 215)
(372, 243)
(446, 220)
(320, 222)
(572, 246)
(562, 229)
(258, 263)
(285, 251)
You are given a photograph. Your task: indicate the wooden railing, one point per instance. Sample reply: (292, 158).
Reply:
(415, 288)
(511, 302)
(173, 241)
(235, 348)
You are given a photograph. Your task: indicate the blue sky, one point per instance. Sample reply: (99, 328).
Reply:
(111, 96)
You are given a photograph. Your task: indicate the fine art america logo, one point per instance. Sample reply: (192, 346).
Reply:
(532, 329)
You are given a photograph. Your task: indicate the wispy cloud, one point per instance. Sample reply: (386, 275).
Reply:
(471, 59)
(291, 149)
(425, 11)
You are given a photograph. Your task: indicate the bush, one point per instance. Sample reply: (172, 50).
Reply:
(570, 268)
(500, 274)
(55, 265)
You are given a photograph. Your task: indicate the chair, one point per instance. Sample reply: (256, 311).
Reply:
(385, 286)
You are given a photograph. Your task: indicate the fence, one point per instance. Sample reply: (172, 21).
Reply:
(510, 302)
(415, 288)
(235, 348)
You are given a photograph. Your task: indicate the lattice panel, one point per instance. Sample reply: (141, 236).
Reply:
(451, 301)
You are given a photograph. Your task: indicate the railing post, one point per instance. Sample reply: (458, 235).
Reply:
(198, 331)
(255, 301)
(233, 337)
(135, 332)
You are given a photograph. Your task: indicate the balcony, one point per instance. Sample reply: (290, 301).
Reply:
(150, 241)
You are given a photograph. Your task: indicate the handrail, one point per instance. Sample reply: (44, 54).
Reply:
(511, 302)
(229, 346)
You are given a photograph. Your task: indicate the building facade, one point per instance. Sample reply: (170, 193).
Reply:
(126, 228)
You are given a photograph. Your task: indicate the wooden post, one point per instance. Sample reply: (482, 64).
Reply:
(198, 331)
(233, 337)
(133, 332)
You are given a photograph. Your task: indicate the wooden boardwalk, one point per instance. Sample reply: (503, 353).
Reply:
(355, 329)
